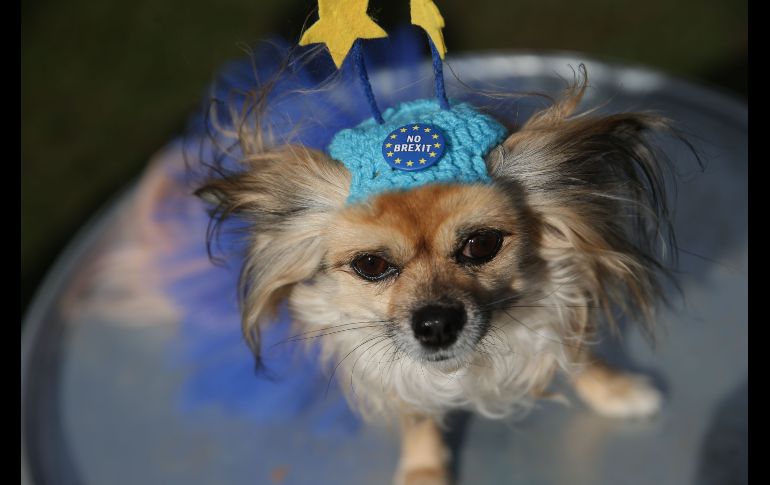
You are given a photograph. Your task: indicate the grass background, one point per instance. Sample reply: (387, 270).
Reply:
(106, 83)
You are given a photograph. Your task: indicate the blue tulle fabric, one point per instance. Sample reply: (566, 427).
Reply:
(304, 107)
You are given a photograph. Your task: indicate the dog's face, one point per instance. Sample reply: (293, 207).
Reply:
(457, 295)
(432, 264)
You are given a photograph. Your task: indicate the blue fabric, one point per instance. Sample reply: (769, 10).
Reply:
(469, 136)
(209, 349)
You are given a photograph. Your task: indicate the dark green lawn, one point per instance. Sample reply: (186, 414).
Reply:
(106, 83)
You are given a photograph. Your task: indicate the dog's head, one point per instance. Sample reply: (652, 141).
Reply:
(501, 280)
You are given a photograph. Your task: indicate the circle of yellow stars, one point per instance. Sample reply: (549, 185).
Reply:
(426, 159)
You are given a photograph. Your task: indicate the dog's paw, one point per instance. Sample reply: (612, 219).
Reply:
(618, 395)
(422, 476)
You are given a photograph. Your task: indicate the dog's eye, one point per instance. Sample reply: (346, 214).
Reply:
(373, 267)
(480, 247)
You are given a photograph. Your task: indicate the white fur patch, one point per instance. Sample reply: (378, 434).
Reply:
(498, 378)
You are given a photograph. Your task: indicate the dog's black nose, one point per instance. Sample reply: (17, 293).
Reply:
(436, 326)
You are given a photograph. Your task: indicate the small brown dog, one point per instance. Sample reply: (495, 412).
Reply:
(462, 296)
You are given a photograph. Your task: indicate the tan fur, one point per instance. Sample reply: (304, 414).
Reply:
(419, 230)
(613, 393)
(423, 454)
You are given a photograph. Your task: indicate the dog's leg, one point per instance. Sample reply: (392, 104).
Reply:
(614, 393)
(423, 454)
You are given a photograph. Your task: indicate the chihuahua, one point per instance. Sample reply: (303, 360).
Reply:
(462, 296)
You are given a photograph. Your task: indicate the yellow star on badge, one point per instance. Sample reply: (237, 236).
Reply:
(437, 145)
(390, 154)
(340, 23)
(398, 160)
(416, 127)
(427, 130)
(409, 163)
(432, 154)
(403, 130)
(422, 161)
(435, 136)
(393, 137)
(388, 145)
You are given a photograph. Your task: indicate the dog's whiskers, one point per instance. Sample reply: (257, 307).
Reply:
(367, 340)
(519, 295)
(560, 342)
(384, 339)
(297, 339)
(332, 329)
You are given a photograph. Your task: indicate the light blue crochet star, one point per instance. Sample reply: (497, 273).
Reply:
(469, 135)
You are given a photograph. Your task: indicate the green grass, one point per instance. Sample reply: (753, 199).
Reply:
(105, 84)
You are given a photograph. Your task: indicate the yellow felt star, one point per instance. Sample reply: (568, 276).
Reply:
(437, 145)
(398, 160)
(427, 130)
(409, 163)
(435, 136)
(340, 23)
(393, 136)
(432, 154)
(403, 130)
(422, 161)
(415, 127)
(388, 145)
(390, 154)
(425, 14)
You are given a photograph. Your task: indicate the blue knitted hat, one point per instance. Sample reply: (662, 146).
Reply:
(457, 139)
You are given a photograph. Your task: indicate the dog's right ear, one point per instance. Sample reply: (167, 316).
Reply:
(286, 196)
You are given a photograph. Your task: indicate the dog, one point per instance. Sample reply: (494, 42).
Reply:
(463, 296)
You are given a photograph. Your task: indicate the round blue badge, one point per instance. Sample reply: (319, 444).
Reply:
(413, 147)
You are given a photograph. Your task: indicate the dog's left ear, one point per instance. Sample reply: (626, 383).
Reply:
(286, 196)
(596, 184)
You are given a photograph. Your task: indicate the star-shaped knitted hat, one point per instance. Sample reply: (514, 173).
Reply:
(465, 135)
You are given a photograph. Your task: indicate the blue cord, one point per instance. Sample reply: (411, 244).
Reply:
(363, 76)
(438, 75)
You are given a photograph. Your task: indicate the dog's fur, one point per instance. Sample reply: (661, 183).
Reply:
(581, 204)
